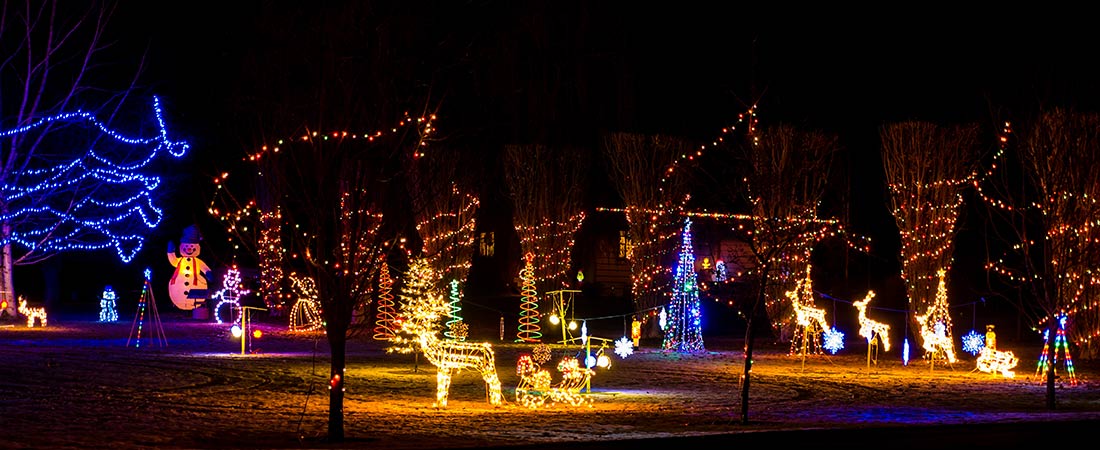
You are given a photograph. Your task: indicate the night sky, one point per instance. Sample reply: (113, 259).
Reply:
(561, 72)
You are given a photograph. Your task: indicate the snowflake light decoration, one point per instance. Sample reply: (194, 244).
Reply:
(973, 342)
(834, 340)
(624, 347)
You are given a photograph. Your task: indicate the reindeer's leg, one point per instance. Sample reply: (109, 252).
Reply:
(442, 387)
(492, 384)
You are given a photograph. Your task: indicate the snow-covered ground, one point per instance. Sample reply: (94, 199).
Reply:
(81, 384)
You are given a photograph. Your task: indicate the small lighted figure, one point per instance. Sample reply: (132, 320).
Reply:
(35, 314)
(187, 287)
(108, 306)
(992, 360)
(230, 295)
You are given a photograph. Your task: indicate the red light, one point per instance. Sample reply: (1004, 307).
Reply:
(257, 334)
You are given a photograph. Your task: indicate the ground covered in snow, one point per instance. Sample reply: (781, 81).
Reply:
(81, 384)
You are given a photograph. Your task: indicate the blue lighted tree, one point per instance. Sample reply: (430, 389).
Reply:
(75, 157)
(683, 332)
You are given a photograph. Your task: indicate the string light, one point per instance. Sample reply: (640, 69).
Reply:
(72, 217)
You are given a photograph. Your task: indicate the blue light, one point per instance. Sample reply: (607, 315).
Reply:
(95, 201)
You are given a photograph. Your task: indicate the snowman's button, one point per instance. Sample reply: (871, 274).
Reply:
(186, 283)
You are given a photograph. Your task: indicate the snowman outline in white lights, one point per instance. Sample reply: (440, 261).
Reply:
(188, 285)
(108, 305)
(230, 294)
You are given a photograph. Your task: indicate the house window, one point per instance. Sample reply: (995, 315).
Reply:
(625, 248)
(486, 246)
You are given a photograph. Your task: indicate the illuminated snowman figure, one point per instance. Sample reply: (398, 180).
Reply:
(108, 311)
(187, 287)
(230, 295)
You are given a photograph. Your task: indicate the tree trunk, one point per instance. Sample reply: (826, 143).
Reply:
(749, 341)
(338, 346)
(7, 292)
(1052, 355)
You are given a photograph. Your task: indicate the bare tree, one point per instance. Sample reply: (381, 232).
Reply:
(927, 169)
(654, 198)
(445, 209)
(1047, 198)
(786, 172)
(547, 188)
(73, 167)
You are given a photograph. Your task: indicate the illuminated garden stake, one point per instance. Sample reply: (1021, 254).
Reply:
(108, 306)
(243, 329)
(147, 302)
(683, 332)
(563, 311)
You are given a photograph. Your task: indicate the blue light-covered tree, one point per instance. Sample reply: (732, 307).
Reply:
(684, 330)
(75, 153)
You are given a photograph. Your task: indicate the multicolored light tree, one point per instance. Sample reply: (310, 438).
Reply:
(643, 170)
(927, 168)
(684, 329)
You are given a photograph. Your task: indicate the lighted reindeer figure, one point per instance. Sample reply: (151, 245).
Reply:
(871, 330)
(934, 327)
(811, 320)
(33, 314)
(424, 309)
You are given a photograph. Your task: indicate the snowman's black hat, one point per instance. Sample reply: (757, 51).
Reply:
(191, 235)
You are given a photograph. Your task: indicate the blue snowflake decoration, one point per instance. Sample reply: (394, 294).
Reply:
(624, 347)
(973, 342)
(834, 340)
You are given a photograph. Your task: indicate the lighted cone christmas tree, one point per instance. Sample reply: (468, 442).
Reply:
(1048, 359)
(386, 325)
(529, 330)
(453, 318)
(684, 331)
